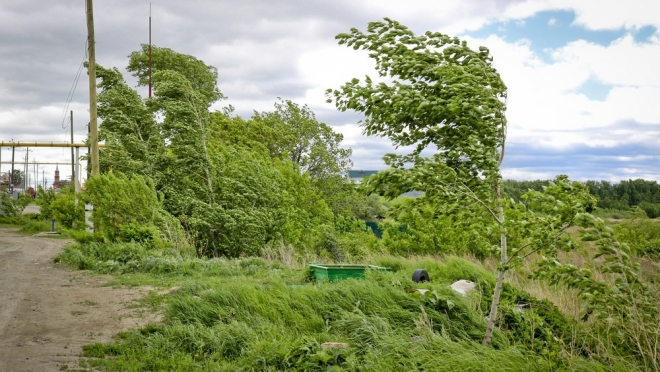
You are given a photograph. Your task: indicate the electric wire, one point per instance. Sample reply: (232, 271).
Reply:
(72, 90)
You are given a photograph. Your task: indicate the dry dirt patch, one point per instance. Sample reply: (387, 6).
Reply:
(47, 313)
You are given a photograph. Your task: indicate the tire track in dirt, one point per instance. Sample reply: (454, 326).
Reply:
(47, 313)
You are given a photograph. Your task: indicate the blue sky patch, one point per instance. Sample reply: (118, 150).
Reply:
(594, 89)
(584, 162)
(642, 35)
(550, 30)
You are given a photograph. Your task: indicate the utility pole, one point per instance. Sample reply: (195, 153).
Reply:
(94, 134)
(77, 165)
(11, 175)
(73, 165)
(26, 170)
(150, 84)
(89, 152)
(25, 167)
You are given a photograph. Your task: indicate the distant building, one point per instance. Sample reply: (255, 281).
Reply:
(358, 175)
(56, 184)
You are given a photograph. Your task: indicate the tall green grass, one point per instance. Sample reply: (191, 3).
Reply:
(240, 324)
(35, 226)
(251, 315)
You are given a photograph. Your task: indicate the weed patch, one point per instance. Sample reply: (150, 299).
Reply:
(247, 314)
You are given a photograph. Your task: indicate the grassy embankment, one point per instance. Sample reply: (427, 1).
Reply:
(265, 314)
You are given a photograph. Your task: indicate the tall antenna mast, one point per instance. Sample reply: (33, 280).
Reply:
(150, 50)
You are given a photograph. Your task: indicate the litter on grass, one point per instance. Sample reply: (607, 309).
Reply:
(463, 286)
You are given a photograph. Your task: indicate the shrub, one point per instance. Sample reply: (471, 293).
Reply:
(44, 198)
(65, 211)
(33, 227)
(13, 207)
(641, 235)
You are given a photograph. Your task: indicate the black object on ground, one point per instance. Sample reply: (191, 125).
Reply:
(420, 275)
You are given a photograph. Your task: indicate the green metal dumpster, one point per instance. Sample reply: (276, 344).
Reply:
(332, 272)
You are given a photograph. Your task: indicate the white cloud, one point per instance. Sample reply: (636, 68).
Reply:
(624, 62)
(526, 174)
(593, 14)
(543, 107)
(264, 50)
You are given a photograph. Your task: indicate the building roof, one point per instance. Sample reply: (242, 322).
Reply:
(360, 174)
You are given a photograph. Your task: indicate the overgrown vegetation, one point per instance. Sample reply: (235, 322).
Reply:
(256, 315)
(230, 210)
(615, 200)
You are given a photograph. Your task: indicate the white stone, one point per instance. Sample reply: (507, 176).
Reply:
(463, 286)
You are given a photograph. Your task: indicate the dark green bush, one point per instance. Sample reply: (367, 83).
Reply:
(641, 235)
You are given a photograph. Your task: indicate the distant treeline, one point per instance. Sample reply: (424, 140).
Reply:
(620, 196)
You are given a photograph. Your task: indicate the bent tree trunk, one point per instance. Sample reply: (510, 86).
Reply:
(500, 276)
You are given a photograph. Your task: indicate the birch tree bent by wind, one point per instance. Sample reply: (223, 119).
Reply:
(439, 94)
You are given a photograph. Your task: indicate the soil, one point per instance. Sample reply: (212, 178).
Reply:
(48, 312)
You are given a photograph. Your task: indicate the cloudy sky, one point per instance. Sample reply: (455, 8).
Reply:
(584, 87)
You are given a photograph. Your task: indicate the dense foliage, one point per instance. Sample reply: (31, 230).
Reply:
(235, 185)
(13, 207)
(226, 207)
(252, 315)
(619, 196)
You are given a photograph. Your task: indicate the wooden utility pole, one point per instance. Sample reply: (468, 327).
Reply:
(11, 175)
(25, 168)
(150, 82)
(91, 51)
(89, 151)
(73, 165)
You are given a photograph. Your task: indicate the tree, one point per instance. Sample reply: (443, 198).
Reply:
(442, 94)
(299, 137)
(292, 133)
(17, 177)
(229, 181)
(202, 77)
(134, 142)
(175, 148)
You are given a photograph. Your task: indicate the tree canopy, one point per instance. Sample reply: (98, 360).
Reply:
(235, 184)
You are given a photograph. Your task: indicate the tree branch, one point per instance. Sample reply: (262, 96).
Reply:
(475, 198)
(561, 231)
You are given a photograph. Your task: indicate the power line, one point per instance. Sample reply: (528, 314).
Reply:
(72, 90)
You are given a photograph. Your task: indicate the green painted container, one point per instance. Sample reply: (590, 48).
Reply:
(332, 272)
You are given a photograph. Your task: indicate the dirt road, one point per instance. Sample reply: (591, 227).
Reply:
(47, 313)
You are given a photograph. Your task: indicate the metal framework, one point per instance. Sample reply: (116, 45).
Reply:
(45, 144)
(77, 166)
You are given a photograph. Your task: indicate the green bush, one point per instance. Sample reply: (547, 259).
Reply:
(652, 209)
(66, 211)
(83, 236)
(641, 235)
(13, 207)
(420, 228)
(123, 207)
(33, 227)
(44, 198)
